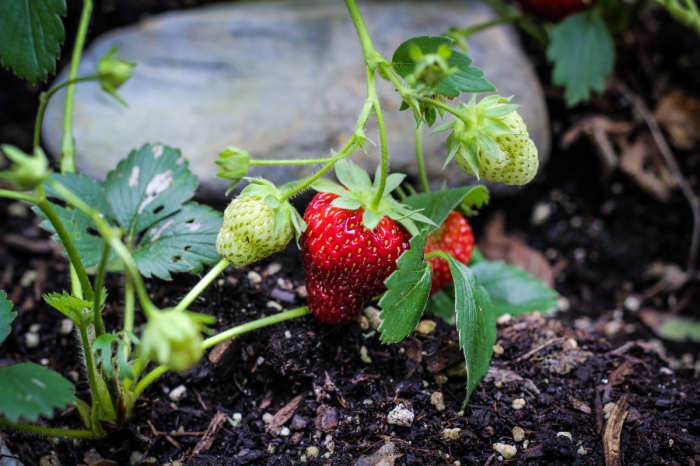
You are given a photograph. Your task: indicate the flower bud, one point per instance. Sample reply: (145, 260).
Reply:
(113, 73)
(234, 163)
(26, 172)
(174, 339)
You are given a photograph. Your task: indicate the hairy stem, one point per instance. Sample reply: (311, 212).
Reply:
(47, 431)
(419, 159)
(9, 194)
(385, 154)
(91, 370)
(202, 285)
(44, 100)
(291, 162)
(73, 255)
(97, 301)
(216, 339)
(68, 145)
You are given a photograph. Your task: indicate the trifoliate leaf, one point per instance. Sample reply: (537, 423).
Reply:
(145, 196)
(183, 242)
(514, 291)
(476, 323)
(6, 316)
(31, 34)
(103, 347)
(76, 309)
(466, 79)
(30, 390)
(407, 293)
(437, 205)
(583, 53)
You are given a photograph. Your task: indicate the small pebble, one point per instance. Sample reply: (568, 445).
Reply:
(44, 361)
(440, 378)
(271, 449)
(254, 277)
(540, 213)
(372, 315)
(31, 340)
(401, 416)
(66, 326)
(298, 422)
(287, 334)
(284, 432)
(267, 418)
(518, 434)
(177, 393)
(275, 305)
(506, 451)
(632, 303)
(35, 328)
(301, 291)
(451, 434)
(235, 419)
(426, 327)
(273, 268)
(582, 451)
(607, 409)
(518, 403)
(565, 434)
(367, 402)
(504, 319)
(666, 371)
(498, 350)
(437, 400)
(364, 356)
(135, 457)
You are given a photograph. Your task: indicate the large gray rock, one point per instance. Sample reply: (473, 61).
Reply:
(281, 79)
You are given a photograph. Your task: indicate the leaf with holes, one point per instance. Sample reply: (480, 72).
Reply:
(31, 34)
(30, 390)
(6, 316)
(146, 196)
(476, 323)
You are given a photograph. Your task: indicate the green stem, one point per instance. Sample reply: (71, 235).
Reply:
(97, 301)
(471, 30)
(523, 22)
(441, 254)
(9, 194)
(447, 108)
(129, 304)
(68, 146)
(73, 255)
(47, 431)
(419, 159)
(230, 333)
(385, 155)
(349, 148)
(202, 285)
(688, 17)
(44, 100)
(114, 241)
(363, 34)
(90, 369)
(291, 162)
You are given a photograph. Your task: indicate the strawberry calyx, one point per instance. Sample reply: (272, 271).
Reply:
(357, 191)
(476, 132)
(271, 194)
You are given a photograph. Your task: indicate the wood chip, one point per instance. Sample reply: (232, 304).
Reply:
(443, 358)
(613, 432)
(210, 435)
(285, 414)
(618, 376)
(220, 350)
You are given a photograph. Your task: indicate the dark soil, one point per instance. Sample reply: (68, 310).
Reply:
(601, 236)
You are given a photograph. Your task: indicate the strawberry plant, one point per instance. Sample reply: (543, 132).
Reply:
(359, 242)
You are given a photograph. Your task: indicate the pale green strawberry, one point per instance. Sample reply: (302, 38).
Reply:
(519, 162)
(248, 233)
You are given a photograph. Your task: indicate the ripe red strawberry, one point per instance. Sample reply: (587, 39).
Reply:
(554, 10)
(455, 237)
(346, 263)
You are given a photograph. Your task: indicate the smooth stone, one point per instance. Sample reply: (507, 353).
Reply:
(279, 79)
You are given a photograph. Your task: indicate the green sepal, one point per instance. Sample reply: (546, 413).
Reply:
(371, 219)
(469, 149)
(500, 110)
(26, 172)
(489, 146)
(437, 205)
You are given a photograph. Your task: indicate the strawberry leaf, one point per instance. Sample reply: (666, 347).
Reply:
(76, 309)
(475, 199)
(103, 347)
(466, 79)
(437, 205)
(146, 196)
(476, 323)
(514, 291)
(407, 293)
(30, 390)
(31, 34)
(6, 316)
(582, 51)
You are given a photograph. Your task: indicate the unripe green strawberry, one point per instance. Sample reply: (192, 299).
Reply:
(248, 232)
(520, 162)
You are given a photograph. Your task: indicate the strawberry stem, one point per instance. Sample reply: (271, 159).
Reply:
(419, 159)
(382, 140)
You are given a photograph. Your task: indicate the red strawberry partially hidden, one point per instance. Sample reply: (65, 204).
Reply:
(346, 263)
(455, 237)
(554, 10)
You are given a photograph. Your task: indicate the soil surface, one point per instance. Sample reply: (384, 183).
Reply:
(303, 392)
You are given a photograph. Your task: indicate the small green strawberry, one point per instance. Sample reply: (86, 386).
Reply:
(257, 225)
(494, 144)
